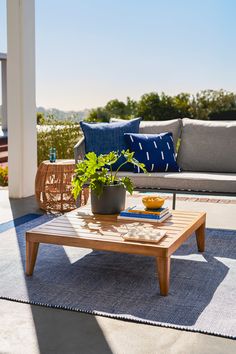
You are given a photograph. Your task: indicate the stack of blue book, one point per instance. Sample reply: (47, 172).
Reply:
(137, 213)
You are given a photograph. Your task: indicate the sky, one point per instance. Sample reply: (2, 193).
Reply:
(91, 51)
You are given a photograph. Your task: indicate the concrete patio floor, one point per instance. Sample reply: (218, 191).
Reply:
(34, 329)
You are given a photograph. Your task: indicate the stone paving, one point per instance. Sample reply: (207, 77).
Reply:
(205, 200)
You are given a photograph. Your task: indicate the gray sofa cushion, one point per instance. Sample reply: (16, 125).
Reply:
(157, 127)
(207, 146)
(195, 181)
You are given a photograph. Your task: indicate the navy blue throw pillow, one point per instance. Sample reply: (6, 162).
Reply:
(156, 151)
(103, 138)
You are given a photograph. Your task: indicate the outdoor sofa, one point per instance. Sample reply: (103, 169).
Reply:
(206, 156)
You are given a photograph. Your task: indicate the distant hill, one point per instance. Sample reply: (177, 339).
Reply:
(60, 115)
(63, 115)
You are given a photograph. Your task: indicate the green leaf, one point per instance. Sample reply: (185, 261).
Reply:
(127, 183)
(93, 171)
(111, 158)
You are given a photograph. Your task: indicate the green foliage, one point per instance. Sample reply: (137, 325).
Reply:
(183, 103)
(119, 109)
(40, 118)
(157, 107)
(3, 176)
(63, 136)
(97, 171)
(114, 109)
(209, 101)
(98, 115)
(154, 106)
(223, 115)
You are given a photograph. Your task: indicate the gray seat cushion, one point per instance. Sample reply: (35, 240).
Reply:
(207, 146)
(156, 127)
(195, 181)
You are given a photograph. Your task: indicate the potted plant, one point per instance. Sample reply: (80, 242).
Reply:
(107, 189)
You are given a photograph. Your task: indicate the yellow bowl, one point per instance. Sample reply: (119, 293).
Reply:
(153, 202)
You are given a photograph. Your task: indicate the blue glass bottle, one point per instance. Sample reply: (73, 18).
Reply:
(52, 155)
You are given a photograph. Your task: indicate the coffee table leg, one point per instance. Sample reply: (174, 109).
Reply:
(163, 270)
(200, 235)
(31, 255)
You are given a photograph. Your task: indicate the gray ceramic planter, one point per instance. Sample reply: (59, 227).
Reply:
(112, 200)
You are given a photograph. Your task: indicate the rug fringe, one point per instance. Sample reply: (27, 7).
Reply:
(118, 317)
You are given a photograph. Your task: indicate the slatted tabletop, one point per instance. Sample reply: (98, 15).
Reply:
(83, 229)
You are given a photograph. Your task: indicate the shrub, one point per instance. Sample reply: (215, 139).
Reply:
(207, 102)
(63, 136)
(3, 176)
(40, 118)
(224, 115)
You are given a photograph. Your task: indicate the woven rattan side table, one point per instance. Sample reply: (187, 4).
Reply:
(53, 186)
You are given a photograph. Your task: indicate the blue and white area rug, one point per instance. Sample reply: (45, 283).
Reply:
(202, 288)
(17, 221)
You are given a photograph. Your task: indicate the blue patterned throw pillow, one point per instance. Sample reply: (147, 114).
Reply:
(103, 138)
(156, 151)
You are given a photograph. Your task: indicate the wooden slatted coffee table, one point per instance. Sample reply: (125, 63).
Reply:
(102, 232)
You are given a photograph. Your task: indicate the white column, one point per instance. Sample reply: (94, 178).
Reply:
(4, 94)
(21, 107)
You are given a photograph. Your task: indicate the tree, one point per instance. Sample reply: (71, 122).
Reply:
(211, 101)
(153, 106)
(131, 108)
(182, 103)
(98, 115)
(116, 109)
(148, 106)
(119, 109)
(113, 109)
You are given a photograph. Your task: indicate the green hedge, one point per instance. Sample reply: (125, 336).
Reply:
(62, 136)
